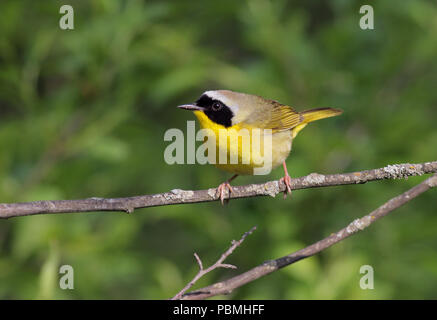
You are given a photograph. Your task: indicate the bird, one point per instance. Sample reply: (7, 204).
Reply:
(224, 110)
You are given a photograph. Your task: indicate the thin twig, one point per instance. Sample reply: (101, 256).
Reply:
(219, 264)
(226, 287)
(178, 196)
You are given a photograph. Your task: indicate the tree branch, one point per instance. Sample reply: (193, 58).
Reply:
(218, 264)
(178, 196)
(226, 287)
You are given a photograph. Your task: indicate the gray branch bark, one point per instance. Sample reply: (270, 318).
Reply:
(227, 286)
(178, 196)
(219, 264)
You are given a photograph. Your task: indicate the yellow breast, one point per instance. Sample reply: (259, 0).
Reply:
(236, 154)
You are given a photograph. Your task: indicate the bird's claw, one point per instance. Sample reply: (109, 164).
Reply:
(221, 191)
(287, 181)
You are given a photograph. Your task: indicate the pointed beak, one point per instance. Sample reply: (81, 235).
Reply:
(191, 107)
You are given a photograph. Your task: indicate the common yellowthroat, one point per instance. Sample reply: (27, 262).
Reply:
(226, 110)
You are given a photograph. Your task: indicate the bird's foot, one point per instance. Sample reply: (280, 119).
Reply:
(221, 190)
(287, 181)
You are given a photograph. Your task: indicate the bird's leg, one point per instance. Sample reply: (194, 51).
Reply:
(286, 180)
(221, 188)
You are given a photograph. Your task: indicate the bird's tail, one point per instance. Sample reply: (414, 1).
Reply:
(320, 113)
(313, 115)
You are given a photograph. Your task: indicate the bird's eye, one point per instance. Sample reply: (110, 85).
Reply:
(216, 106)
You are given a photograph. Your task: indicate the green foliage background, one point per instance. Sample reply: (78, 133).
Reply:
(83, 114)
